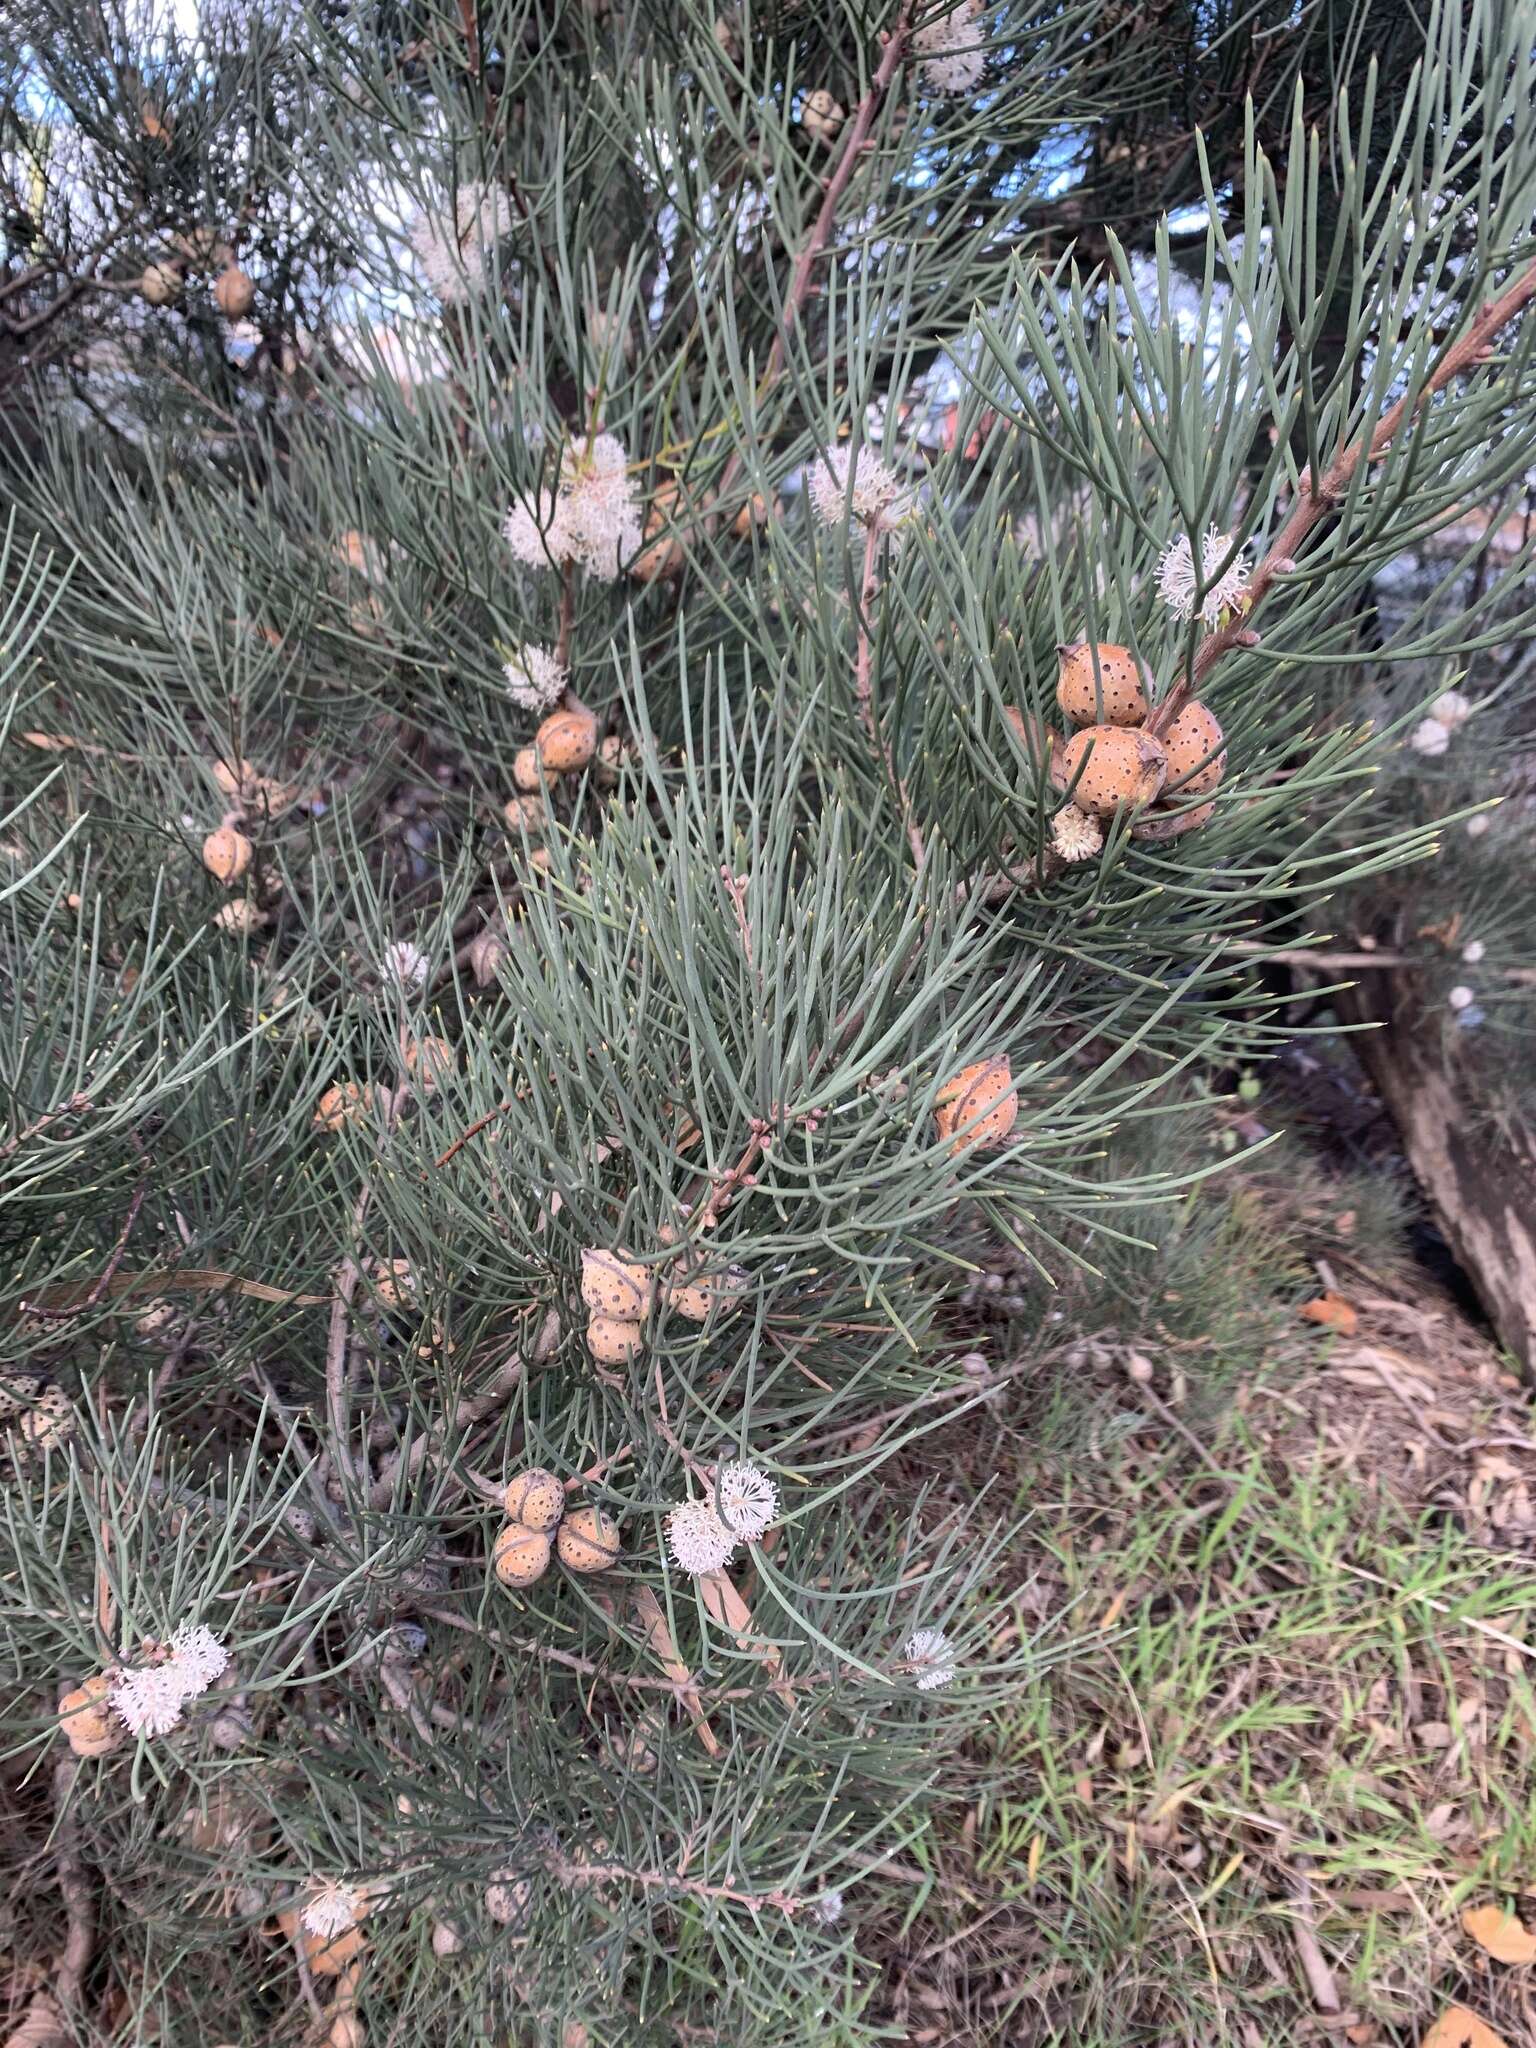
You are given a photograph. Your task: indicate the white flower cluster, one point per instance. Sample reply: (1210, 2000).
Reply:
(1432, 735)
(703, 1534)
(331, 1908)
(405, 963)
(593, 518)
(933, 1654)
(536, 679)
(1075, 835)
(874, 495)
(149, 1698)
(453, 253)
(1178, 584)
(950, 50)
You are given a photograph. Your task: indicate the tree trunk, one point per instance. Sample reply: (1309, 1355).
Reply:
(1480, 1180)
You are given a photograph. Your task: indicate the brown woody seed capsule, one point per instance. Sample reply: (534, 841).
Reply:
(235, 778)
(535, 1498)
(1121, 769)
(614, 1342)
(610, 759)
(697, 1298)
(1104, 676)
(226, 854)
(753, 513)
(981, 1097)
(527, 772)
(611, 1286)
(89, 1725)
(344, 1102)
(525, 814)
(821, 116)
(1196, 759)
(49, 1422)
(509, 1900)
(565, 742)
(345, 2030)
(446, 1939)
(429, 1061)
(160, 284)
(394, 1284)
(664, 556)
(520, 1555)
(588, 1540)
(234, 294)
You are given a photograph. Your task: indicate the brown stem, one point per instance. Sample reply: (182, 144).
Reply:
(1314, 501)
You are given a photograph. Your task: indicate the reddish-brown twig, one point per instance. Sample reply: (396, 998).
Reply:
(1314, 500)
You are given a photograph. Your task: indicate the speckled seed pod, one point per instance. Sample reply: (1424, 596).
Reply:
(613, 1342)
(611, 1286)
(160, 284)
(566, 741)
(394, 1284)
(90, 1727)
(429, 1061)
(663, 556)
(235, 778)
(588, 1541)
(821, 116)
(753, 513)
(49, 1423)
(1104, 676)
(345, 2030)
(1196, 758)
(1159, 826)
(344, 1102)
(535, 1498)
(525, 814)
(330, 1955)
(509, 1899)
(234, 293)
(527, 772)
(1122, 770)
(981, 1097)
(520, 1555)
(446, 1939)
(696, 1299)
(226, 854)
(611, 756)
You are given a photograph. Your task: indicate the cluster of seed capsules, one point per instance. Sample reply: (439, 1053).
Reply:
(537, 1526)
(1112, 763)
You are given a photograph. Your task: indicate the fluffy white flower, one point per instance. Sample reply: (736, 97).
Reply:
(149, 1698)
(1429, 736)
(1461, 998)
(1178, 584)
(199, 1655)
(1451, 709)
(934, 1655)
(453, 250)
(405, 963)
(749, 1500)
(953, 58)
(600, 504)
(537, 532)
(878, 499)
(827, 1907)
(331, 1908)
(698, 1539)
(1074, 835)
(1473, 951)
(535, 678)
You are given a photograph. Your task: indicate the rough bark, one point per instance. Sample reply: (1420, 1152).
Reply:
(1480, 1181)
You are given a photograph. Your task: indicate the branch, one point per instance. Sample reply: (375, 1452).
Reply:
(1314, 501)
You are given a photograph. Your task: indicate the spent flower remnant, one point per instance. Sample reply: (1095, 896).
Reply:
(875, 495)
(149, 1698)
(536, 679)
(1178, 584)
(950, 49)
(453, 251)
(1074, 835)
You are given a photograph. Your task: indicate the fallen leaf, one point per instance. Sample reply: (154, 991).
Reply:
(1458, 2028)
(659, 1635)
(1333, 1312)
(1505, 1937)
